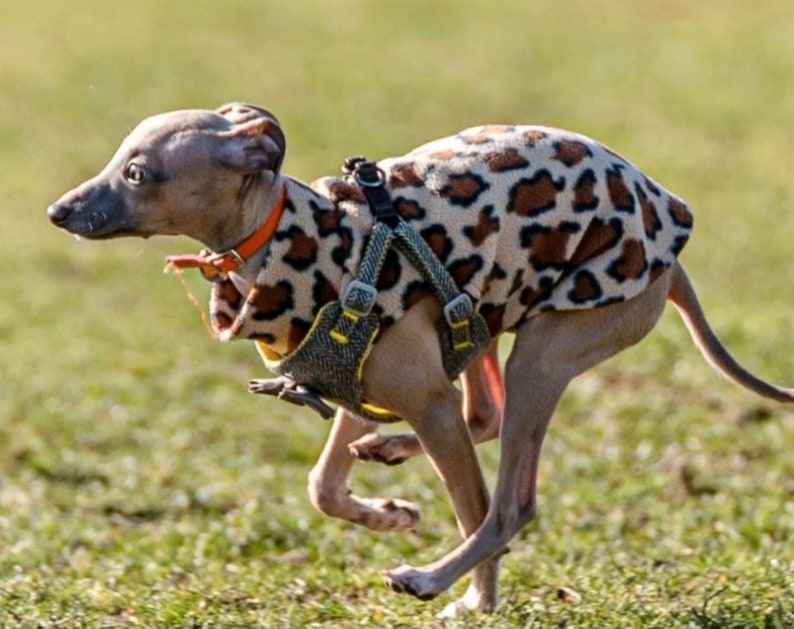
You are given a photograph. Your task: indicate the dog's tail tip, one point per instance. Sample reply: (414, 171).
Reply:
(683, 296)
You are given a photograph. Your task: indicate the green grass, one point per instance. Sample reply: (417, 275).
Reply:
(141, 486)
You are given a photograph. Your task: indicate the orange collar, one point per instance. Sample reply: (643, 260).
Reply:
(215, 266)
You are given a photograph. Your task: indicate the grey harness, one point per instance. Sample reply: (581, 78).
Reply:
(329, 361)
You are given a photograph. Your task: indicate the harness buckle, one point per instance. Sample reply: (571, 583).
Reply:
(458, 311)
(359, 298)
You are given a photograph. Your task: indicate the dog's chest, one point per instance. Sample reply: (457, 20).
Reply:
(526, 219)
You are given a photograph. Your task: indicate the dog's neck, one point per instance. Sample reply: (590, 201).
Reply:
(258, 205)
(228, 228)
(275, 296)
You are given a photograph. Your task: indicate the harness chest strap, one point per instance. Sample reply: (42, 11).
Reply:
(330, 359)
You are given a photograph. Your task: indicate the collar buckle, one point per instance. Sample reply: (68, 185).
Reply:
(225, 261)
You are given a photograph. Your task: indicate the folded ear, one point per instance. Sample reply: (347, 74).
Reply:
(238, 113)
(254, 143)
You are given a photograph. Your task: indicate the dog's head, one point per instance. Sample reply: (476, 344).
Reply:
(183, 172)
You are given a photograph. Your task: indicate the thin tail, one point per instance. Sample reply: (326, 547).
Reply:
(682, 294)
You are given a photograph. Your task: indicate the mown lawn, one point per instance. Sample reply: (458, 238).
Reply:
(140, 485)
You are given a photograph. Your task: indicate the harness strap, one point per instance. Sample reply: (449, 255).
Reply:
(330, 359)
(458, 308)
(390, 229)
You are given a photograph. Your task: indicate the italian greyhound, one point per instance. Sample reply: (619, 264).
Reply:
(554, 237)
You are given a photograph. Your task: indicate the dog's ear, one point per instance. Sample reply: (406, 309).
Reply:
(254, 143)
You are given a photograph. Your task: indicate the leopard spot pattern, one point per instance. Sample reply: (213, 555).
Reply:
(526, 220)
(532, 196)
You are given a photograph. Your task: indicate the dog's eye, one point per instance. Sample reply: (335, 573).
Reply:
(135, 174)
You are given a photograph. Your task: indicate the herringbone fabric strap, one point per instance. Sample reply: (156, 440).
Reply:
(422, 257)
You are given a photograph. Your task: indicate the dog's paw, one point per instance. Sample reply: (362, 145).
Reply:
(285, 388)
(472, 601)
(388, 514)
(388, 449)
(409, 580)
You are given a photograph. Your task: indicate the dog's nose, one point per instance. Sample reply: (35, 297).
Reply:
(59, 212)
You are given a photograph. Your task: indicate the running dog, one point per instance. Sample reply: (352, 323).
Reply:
(553, 237)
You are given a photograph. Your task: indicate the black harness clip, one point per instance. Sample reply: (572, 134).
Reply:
(372, 182)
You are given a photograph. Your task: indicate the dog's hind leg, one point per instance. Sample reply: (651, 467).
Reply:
(550, 350)
(328, 486)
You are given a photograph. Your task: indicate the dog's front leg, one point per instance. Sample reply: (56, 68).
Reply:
(419, 390)
(328, 482)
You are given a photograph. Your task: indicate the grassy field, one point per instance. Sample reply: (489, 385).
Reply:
(140, 485)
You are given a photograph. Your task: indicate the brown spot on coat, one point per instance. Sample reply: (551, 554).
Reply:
(341, 253)
(343, 190)
(632, 263)
(464, 269)
(599, 237)
(405, 175)
(619, 192)
(269, 302)
(651, 186)
(650, 218)
(408, 209)
(585, 289)
(328, 221)
(531, 295)
(464, 189)
(548, 246)
(485, 133)
(657, 268)
(508, 159)
(390, 272)
(584, 196)
(679, 212)
(535, 195)
(496, 273)
(678, 243)
(227, 292)
(220, 322)
(302, 251)
(571, 152)
(487, 224)
(441, 244)
(323, 291)
(444, 155)
(415, 292)
(533, 137)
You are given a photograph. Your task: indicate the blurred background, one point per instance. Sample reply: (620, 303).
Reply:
(117, 409)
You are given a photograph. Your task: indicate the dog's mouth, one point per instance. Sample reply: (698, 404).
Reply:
(108, 235)
(96, 225)
(96, 228)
